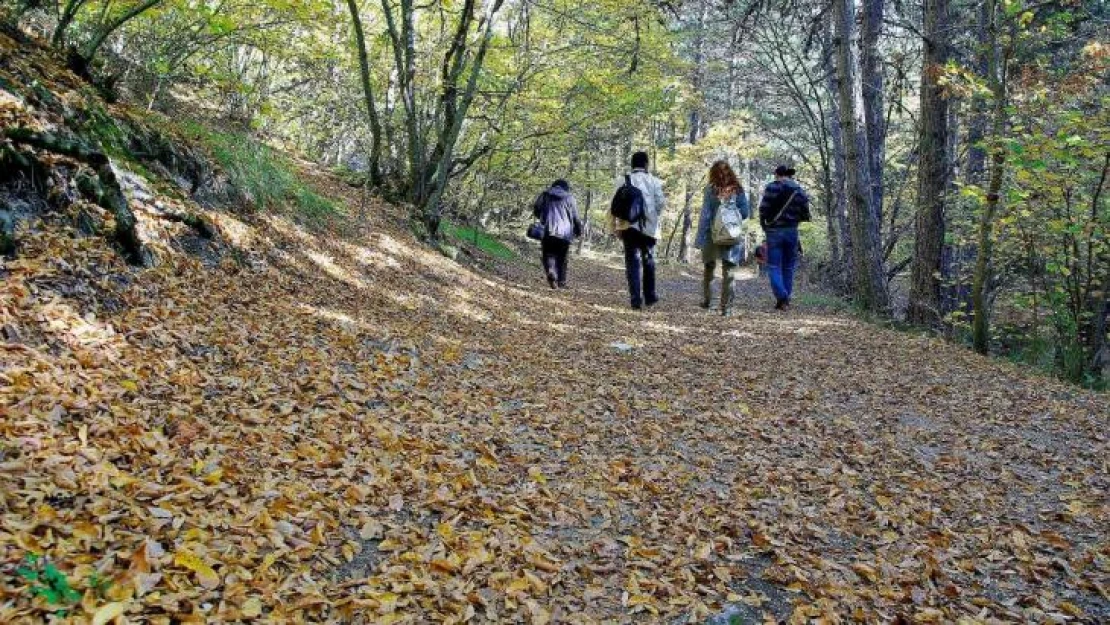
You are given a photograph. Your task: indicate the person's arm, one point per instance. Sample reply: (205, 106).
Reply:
(660, 199)
(802, 199)
(537, 206)
(743, 204)
(767, 206)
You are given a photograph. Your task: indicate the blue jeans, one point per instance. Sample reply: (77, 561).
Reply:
(639, 251)
(782, 256)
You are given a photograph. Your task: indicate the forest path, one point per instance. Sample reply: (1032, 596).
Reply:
(852, 464)
(358, 428)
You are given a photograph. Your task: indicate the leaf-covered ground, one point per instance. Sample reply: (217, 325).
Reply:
(357, 429)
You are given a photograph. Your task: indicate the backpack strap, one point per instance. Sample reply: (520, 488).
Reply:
(783, 209)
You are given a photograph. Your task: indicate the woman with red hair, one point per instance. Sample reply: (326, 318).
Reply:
(723, 207)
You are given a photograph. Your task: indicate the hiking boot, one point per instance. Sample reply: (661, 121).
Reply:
(704, 304)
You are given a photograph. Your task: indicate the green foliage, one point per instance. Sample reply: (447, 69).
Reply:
(47, 581)
(261, 174)
(479, 239)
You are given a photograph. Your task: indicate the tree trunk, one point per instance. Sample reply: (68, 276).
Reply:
(839, 167)
(976, 130)
(687, 220)
(871, 77)
(870, 283)
(932, 172)
(695, 116)
(106, 31)
(69, 12)
(368, 96)
(997, 77)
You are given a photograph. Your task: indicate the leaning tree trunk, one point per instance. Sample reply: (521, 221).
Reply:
(870, 284)
(932, 173)
(368, 96)
(997, 78)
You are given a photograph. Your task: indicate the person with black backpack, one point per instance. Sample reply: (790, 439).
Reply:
(784, 205)
(556, 214)
(635, 210)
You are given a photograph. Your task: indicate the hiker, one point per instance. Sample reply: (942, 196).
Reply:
(557, 212)
(724, 197)
(636, 208)
(783, 207)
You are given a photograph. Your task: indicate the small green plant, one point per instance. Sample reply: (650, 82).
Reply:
(480, 240)
(47, 581)
(261, 173)
(98, 585)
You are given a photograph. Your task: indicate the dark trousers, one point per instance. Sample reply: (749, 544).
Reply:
(554, 251)
(639, 252)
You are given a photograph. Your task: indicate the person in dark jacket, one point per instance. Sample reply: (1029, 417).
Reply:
(784, 205)
(557, 210)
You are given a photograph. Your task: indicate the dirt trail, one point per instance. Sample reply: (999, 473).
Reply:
(362, 430)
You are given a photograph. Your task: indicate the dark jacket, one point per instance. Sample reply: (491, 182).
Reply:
(558, 212)
(775, 196)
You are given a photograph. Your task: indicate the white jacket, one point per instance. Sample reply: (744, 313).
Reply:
(654, 203)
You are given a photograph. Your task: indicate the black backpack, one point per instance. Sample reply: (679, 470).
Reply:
(628, 203)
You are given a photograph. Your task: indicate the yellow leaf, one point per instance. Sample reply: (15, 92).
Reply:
(865, 571)
(371, 530)
(446, 531)
(251, 607)
(130, 385)
(108, 613)
(206, 575)
(537, 475)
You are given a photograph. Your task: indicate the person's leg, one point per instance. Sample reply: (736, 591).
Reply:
(774, 266)
(547, 253)
(726, 287)
(789, 262)
(647, 251)
(708, 268)
(632, 265)
(564, 251)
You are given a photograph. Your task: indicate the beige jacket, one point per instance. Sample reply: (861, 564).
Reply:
(654, 203)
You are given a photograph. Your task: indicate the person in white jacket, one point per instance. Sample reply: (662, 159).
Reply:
(639, 240)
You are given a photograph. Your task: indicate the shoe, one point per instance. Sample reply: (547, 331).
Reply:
(652, 302)
(563, 285)
(551, 282)
(727, 312)
(779, 304)
(637, 306)
(704, 304)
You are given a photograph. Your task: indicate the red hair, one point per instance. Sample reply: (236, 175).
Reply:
(724, 180)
